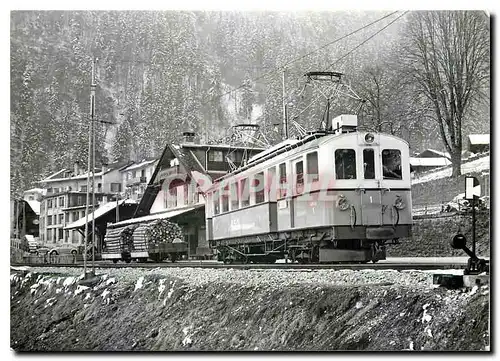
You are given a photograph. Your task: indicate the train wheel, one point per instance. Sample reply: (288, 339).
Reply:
(128, 260)
(115, 261)
(173, 257)
(375, 260)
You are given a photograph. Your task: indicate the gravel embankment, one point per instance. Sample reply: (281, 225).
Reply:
(200, 309)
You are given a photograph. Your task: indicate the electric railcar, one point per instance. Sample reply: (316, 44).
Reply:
(339, 196)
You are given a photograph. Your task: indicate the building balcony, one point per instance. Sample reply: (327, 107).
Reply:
(135, 181)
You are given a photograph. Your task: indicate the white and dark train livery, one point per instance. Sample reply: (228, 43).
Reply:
(338, 196)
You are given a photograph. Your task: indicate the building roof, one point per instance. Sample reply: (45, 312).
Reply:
(479, 139)
(433, 153)
(81, 176)
(36, 190)
(221, 146)
(143, 163)
(429, 162)
(55, 174)
(99, 212)
(35, 206)
(155, 216)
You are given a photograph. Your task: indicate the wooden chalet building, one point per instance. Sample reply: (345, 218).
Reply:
(175, 190)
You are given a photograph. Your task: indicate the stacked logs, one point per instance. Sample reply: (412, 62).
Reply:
(156, 232)
(119, 239)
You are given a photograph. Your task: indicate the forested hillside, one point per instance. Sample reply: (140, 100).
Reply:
(160, 73)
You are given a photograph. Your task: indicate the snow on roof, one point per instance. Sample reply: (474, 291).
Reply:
(442, 154)
(429, 162)
(54, 174)
(476, 166)
(222, 146)
(479, 138)
(102, 210)
(35, 206)
(36, 190)
(30, 238)
(81, 176)
(162, 215)
(139, 165)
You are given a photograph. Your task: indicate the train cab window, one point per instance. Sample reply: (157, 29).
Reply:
(235, 196)
(312, 167)
(391, 163)
(215, 196)
(283, 181)
(299, 177)
(345, 164)
(369, 163)
(258, 187)
(245, 192)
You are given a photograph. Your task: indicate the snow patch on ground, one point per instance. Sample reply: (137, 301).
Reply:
(80, 289)
(139, 283)
(69, 281)
(426, 317)
(187, 337)
(161, 287)
(477, 165)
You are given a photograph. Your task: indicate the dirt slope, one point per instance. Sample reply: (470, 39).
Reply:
(194, 309)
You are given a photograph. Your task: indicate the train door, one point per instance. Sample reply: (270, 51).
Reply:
(296, 210)
(371, 198)
(392, 184)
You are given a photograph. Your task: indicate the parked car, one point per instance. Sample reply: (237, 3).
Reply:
(41, 250)
(64, 250)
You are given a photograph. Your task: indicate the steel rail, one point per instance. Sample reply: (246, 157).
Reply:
(257, 266)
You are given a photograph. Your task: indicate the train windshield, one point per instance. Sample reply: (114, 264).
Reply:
(391, 163)
(345, 164)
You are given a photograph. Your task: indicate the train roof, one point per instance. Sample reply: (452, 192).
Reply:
(292, 147)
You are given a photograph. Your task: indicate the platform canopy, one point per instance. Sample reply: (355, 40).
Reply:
(99, 212)
(155, 216)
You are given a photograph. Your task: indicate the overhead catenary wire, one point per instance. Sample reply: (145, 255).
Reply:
(276, 68)
(367, 39)
(349, 53)
(308, 54)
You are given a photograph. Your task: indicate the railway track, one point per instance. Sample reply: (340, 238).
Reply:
(383, 265)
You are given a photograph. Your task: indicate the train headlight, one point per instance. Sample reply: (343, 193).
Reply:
(369, 138)
(342, 203)
(398, 203)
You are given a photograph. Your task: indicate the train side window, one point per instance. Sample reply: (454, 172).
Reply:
(216, 202)
(283, 181)
(299, 177)
(391, 163)
(312, 167)
(235, 196)
(369, 163)
(225, 199)
(271, 184)
(245, 193)
(345, 164)
(258, 187)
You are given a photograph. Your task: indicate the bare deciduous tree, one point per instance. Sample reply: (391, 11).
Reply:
(448, 56)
